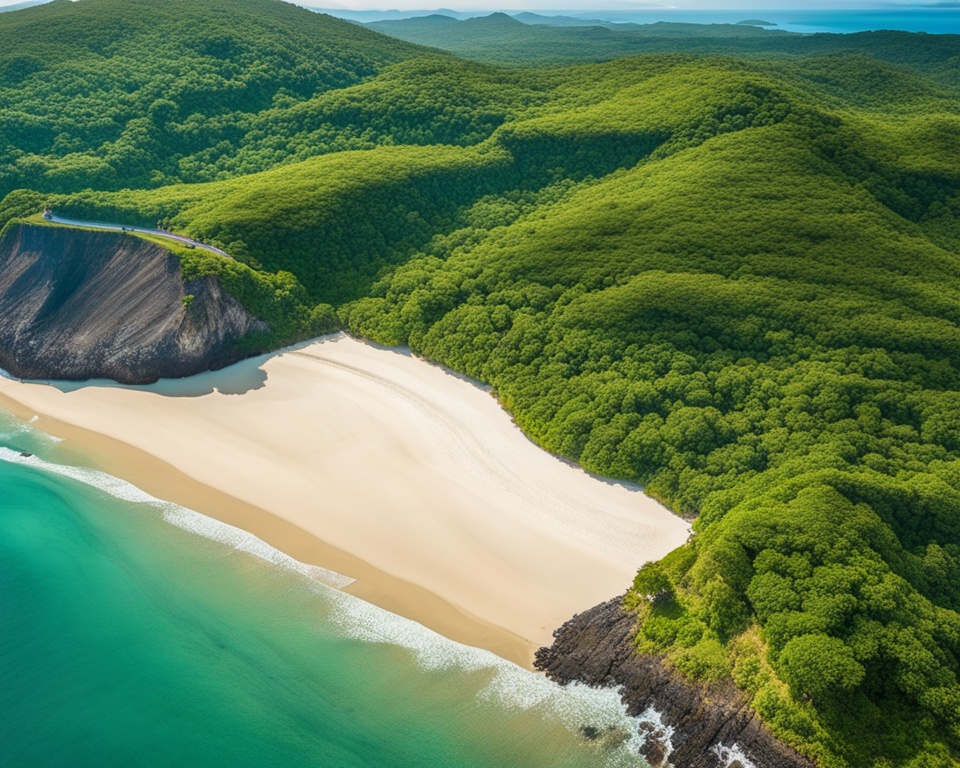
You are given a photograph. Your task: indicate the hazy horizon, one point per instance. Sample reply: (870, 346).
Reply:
(639, 7)
(617, 5)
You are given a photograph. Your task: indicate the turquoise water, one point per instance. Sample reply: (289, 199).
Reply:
(134, 632)
(944, 20)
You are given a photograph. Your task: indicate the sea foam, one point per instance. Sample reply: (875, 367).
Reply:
(244, 541)
(732, 755)
(574, 706)
(183, 518)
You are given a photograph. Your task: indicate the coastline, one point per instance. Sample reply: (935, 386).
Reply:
(386, 469)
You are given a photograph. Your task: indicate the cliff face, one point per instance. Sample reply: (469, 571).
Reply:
(705, 727)
(78, 304)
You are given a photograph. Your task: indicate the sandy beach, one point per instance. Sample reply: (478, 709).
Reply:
(382, 467)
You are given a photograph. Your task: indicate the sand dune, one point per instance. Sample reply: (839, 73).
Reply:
(402, 475)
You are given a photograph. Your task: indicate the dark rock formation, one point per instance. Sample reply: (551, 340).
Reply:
(77, 304)
(708, 722)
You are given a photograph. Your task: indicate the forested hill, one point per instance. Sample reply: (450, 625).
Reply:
(539, 41)
(116, 93)
(734, 279)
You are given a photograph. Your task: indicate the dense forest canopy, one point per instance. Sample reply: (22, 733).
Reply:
(115, 93)
(734, 279)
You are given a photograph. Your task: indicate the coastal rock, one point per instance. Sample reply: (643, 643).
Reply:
(78, 304)
(699, 726)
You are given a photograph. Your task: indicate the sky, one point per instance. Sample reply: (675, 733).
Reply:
(625, 5)
(640, 5)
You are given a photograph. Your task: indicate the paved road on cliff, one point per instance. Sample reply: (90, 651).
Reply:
(140, 230)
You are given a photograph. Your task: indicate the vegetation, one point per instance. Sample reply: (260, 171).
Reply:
(277, 298)
(731, 279)
(116, 93)
(528, 39)
(761, 331)
(334, 220)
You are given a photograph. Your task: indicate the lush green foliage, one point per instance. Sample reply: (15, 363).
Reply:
(757, 325)
(278, 299)
(334, 221)
(112, 93)
(732, 280)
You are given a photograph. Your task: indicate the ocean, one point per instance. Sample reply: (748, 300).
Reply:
(137, 633)
(944, 20)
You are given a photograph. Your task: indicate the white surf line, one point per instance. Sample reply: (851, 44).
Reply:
(509, 685)
(140, 230)
(181, 517)
(575, 705)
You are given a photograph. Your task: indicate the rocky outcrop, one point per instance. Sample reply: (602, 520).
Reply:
(77, 304)
(702, 726)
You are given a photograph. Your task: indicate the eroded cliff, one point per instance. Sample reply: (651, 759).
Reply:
(77, 304)
(702, 727)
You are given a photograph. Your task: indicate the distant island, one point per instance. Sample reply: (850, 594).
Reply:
(757, 23)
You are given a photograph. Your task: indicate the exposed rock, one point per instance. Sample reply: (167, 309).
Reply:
(656, 745)
(78, 304)
(703, 726)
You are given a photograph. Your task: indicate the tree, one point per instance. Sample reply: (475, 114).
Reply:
(654, 584)
(817, 665)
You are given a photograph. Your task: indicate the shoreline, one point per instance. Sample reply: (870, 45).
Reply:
(163, 481)
(428, 525)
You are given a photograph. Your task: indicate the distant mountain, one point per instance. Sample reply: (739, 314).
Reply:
(434, 29)
(439, 19)
(537, 39)
(562, 21)
(369, 16)
(552, 40)
(493, 21)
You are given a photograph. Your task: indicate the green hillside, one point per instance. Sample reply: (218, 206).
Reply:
(334, 221)
(750, 332)
(114, 93)
(733, 279)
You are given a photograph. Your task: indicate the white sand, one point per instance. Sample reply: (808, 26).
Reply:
(403, 465)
